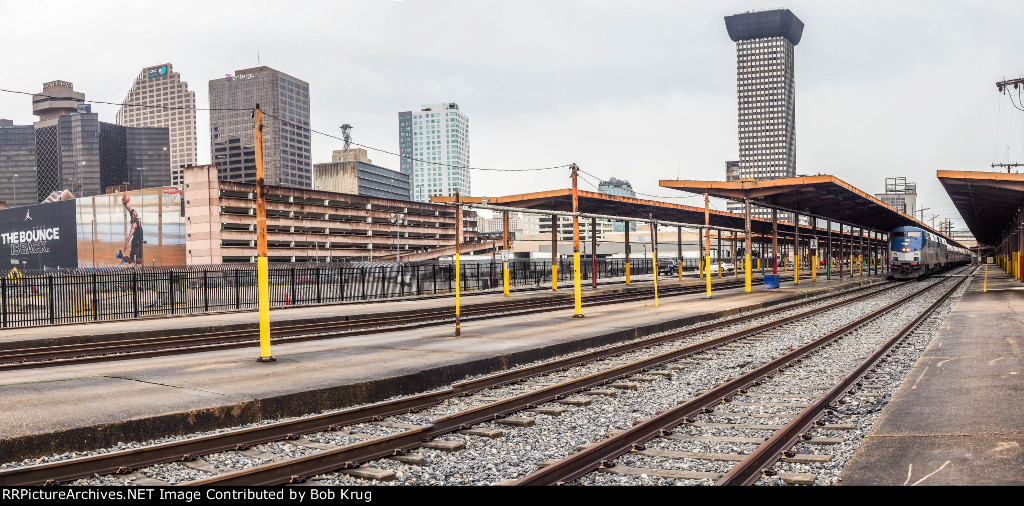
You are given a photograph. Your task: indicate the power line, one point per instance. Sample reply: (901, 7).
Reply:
(409, 157)
(646, 194)
(125, 104)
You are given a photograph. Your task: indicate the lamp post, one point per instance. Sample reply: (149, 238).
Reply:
(396, 218)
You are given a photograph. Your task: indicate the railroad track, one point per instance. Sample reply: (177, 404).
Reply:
(124, 349)
(808, 379)
(314, 435)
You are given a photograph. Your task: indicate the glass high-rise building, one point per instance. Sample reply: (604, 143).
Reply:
(405, 146)
(69, 148)
(17, 164)
(164, 100)
(765, 90)
(286, 136)
(438, 137)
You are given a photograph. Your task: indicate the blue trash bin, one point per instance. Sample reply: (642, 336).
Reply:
(771, 280)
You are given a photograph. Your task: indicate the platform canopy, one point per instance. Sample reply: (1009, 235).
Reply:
(987, 201)
(823, 196)
(628, 208)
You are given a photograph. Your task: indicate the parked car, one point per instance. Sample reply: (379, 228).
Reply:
(668, 266)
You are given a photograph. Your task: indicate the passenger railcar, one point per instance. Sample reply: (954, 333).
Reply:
(916, 252)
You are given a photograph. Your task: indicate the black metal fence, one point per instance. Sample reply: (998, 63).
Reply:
(70, 296)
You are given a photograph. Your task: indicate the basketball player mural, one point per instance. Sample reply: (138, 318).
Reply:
(132, 251)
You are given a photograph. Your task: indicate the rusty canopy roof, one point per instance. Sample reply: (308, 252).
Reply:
(628, 208)
(987, 201)
(823, 196)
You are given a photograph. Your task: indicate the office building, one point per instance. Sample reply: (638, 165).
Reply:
(439, 138)
(361, 178)
(164, 100)
(405, 145)
(286, 136)
(621, 188)
(17, 164)
(69, 148)
(765, 43)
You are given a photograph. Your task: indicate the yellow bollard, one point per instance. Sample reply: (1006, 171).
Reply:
(700, 268)
(263, 277)
(796, 270)
(719, 267)
(814, 268)
(576, 279)
(709, 275)
(746, 273)
(758, 263)
(627, 273)
(655, 278)
(504, 275)
(458, 270)
(680, 270)
(554, 277)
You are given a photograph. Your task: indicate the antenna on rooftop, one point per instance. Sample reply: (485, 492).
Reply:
(346, 135)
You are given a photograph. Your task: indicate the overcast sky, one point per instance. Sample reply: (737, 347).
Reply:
(641, 90)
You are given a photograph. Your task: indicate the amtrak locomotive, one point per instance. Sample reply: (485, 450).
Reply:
(917, 252)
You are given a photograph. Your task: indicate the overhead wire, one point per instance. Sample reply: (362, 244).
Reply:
(251, 111)
(379, 150)
(127, 104)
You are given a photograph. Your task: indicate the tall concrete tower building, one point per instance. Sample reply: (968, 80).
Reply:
(764, 86)
(437, 136)
(285, 104)
(169, 104)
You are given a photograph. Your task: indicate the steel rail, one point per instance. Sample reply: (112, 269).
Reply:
(750, 469)
(126, 460)
(102, 351)
(604, 452)
(297, 470)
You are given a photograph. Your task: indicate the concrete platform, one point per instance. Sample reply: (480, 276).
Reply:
(958, 419)
(51, 410)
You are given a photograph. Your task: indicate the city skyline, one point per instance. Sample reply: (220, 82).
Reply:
(645, 92)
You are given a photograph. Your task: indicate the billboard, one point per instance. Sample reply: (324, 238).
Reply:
(136, 228)
(39, 236)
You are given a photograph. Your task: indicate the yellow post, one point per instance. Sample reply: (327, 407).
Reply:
(458, 269)
(576, 244)
(758, 263)
(719, 267)
(814, 268)
(709, 277)
(796, 269)
(700, 267)
(985, 286)
(576, 279)
(654, 254)
(262, 263)
(680, 270)
(627, 273)
(707, 243)
(860, 262)
(504, 275)
(746, 273)
(554, 276)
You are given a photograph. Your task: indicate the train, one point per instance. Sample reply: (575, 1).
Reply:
(916, 252)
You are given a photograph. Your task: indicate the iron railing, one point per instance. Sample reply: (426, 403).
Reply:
(36, 298)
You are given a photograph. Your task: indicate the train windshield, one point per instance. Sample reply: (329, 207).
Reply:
(909, 240)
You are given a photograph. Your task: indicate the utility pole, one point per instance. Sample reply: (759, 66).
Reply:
(262, 266)
(576, 244)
